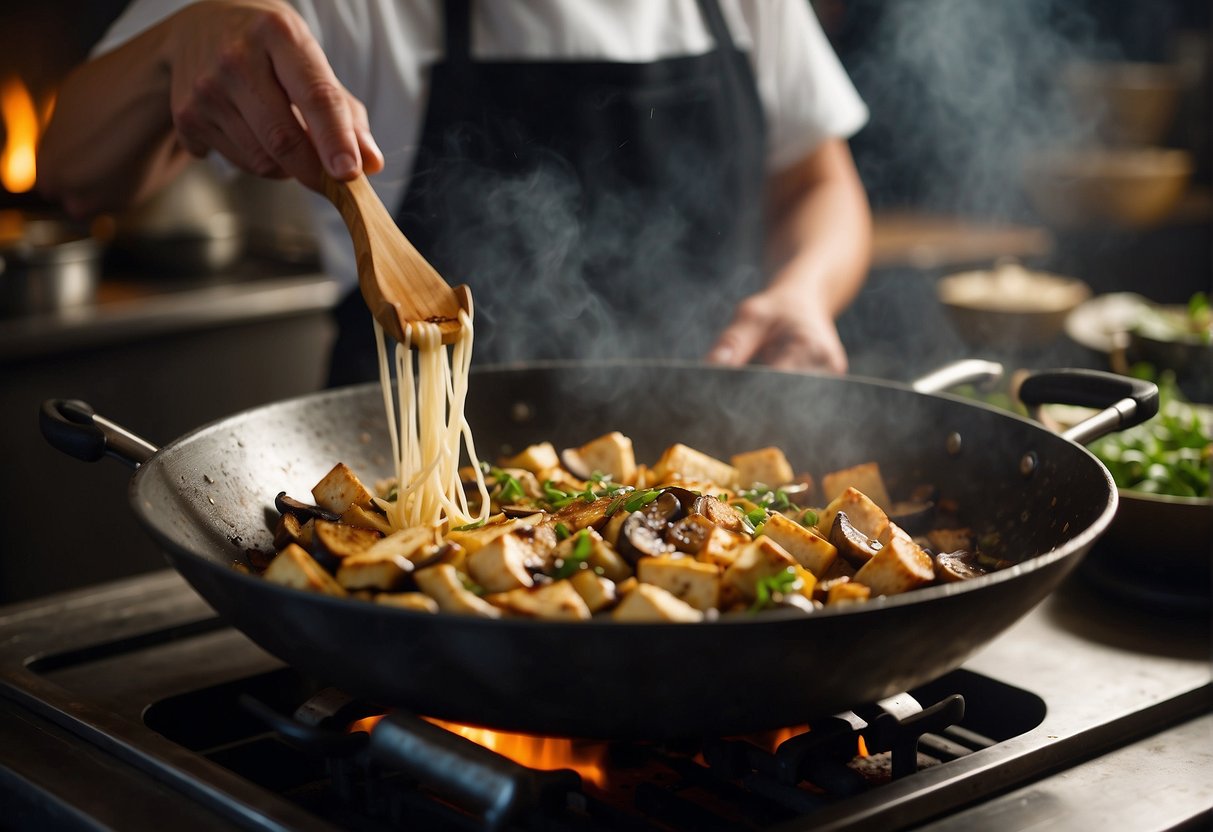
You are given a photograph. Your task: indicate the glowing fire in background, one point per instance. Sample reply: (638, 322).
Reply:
(23, 125)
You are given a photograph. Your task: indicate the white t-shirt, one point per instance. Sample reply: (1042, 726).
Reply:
(380, 50)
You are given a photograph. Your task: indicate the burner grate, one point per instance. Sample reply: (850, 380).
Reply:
(409, 771)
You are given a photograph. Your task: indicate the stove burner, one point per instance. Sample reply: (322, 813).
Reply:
(808, 768)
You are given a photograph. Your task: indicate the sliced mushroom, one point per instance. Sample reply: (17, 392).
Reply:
(720, 513)
(640, 537)
(960, 565)
(851, 543)
(302, 511)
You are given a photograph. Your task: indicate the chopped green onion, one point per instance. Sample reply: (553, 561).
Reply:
(641, 499)
(551, 493)
(473, 525)
(808, 518)
(582, 546)
(767, 588)
(562, 531)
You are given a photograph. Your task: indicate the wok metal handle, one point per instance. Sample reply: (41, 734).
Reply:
(73, 427)
(968, 371)
(1123, 401)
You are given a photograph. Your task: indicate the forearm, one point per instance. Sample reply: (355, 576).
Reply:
(111, 140)
(821, 229)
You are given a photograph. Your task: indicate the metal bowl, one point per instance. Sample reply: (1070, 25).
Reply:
(50, 267)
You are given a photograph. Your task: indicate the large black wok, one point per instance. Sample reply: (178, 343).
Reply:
(205, 498)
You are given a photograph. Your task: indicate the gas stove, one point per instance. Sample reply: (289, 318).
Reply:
(129, 705)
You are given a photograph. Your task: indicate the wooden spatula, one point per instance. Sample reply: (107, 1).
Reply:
(397, 283)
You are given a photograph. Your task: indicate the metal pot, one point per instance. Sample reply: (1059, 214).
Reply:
(49, 268)
(205, 498)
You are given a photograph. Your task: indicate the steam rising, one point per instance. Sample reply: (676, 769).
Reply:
(963, 93)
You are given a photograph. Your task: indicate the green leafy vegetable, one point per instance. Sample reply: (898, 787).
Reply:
(1170, 454)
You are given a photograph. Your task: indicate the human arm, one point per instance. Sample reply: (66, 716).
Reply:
(221, 75)
(819, 240)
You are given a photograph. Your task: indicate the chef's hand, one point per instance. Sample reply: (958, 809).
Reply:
(783, 327)
(250, 81)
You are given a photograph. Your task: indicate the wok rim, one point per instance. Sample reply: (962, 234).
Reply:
(1075, 546)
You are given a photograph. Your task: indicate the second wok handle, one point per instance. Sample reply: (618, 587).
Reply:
(968, 371)
(73, 427)
(1123, 401)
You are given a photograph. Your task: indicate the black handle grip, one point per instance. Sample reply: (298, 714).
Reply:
(74, 427)
(1124, 401)
(67, 424)
(1089, 388)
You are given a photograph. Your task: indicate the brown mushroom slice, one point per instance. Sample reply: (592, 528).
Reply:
(644, 532)
(720, 513)
(850, 542)
(960, 565)
(690, 533)
(303, 511)
(579, 514)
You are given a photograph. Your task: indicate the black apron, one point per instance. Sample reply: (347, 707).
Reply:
(596, 209)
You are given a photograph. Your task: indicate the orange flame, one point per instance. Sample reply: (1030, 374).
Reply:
(22, 126)
(543, 753)
(863, 747)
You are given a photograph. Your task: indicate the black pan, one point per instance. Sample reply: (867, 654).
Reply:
(205, 497)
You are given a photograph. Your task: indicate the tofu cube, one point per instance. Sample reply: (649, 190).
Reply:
(609, 454)
(406, 543)
(602, 558)
(382, 572)
(501, 565)
(720, 547)
(864, 514)
(810, 551)
(597, 592)
(898, 567)
(767, 466)
(557, 601)
(757, 560)
(648, 602)
(682, 463)
(294, 567)
(848, 592)
(290, 529)
(359, 516)
(443, 584)
(535, 458)
(339, 489)
(865, 478)
(687, 579)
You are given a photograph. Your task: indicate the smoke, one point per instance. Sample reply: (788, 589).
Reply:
(963, 93)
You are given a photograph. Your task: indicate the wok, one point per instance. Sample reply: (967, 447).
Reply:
(205, 498)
